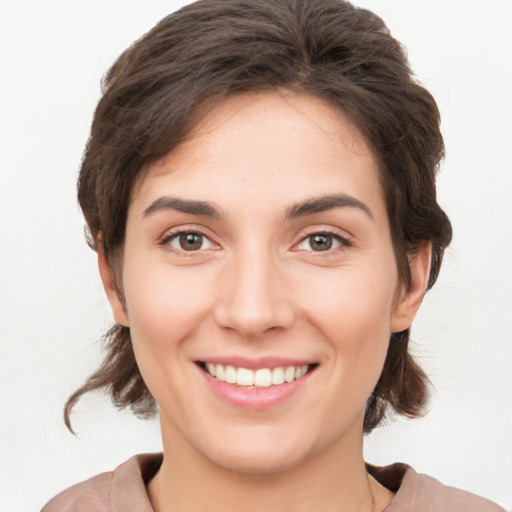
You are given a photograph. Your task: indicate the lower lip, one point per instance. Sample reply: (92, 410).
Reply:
(254, 398)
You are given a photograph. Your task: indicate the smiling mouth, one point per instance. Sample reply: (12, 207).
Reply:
(260, 378)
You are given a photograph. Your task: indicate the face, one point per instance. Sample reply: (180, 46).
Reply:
(260, 284)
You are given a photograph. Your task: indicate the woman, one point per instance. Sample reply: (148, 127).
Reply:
(260, 188)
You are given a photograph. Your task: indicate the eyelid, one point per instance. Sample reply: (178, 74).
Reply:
(344, 238)
(180, 230)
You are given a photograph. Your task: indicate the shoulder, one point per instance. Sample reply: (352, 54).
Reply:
(423, 493)
(440, 497)
(93, 494)
(123, 489)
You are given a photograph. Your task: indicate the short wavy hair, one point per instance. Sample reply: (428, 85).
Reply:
(212, 50)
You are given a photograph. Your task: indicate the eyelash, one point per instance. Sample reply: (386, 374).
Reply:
(342, 240)
(176, 234)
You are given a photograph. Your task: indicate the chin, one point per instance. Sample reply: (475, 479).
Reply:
(250, 453)
(258, 463)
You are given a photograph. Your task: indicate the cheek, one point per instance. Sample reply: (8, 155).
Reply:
(359, 298)
(164, 312)
(164, 308)
(353, 310)
(163, 298)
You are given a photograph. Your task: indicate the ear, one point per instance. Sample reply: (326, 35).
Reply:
(410, 300)
(109, 285)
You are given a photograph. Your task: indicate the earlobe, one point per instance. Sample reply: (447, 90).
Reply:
(109, 285)
(410, 301)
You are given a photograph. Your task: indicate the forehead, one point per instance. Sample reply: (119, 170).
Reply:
(245, 113)
(273, 147)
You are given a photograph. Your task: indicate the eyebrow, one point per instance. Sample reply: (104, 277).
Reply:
(325, 203)
(203, 208)
(301, 209)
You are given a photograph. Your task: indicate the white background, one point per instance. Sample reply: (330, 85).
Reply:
(52, 310)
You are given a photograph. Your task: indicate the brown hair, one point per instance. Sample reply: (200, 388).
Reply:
(214, 49)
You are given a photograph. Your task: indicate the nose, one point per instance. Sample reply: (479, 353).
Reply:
(253, 297)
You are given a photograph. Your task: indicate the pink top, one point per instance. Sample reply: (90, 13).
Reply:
(124, 490)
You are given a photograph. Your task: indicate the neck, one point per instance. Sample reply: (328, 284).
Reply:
(330, 481)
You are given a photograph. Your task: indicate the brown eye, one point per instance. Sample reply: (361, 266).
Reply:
(189, 241)
(320, 242)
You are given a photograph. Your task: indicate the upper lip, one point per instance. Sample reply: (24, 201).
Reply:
(255, 363)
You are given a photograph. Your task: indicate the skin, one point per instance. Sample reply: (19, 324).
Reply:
(257, 287)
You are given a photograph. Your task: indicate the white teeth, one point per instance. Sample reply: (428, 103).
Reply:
(244, 377)
(211, 369)
(230, 375)
(262, 378)
(219, 372)
(289, 374)
(278, 375)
